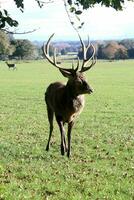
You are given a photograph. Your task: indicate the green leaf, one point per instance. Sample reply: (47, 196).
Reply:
(15, 23)
(72, 23)
(6, 13)
(69, 2)
(77, 18)
(72, 9)
(78, 12)
(9, 21)
(82, 23)
(2, 25)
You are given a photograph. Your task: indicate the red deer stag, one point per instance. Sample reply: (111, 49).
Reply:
(13, 66)
(67, 101)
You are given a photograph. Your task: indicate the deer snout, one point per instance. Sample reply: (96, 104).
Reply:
(90, 90)
(87, 88)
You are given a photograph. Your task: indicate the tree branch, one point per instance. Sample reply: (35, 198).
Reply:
(74, 12)
(19, 33)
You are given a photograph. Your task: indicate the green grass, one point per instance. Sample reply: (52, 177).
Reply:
(102, 161)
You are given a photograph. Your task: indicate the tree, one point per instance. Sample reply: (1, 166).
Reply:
(121, 53)
(113, 50)
(128, 43)
(24, 49)
(131, 53)
(5, 18)
(5, 47)
(100, 51)
(63, 52)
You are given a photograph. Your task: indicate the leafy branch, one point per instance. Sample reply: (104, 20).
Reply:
(19, 33)
(6, 20)
(76, 8)
(73, 12)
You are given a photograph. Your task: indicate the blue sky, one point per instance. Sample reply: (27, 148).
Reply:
(100, 22)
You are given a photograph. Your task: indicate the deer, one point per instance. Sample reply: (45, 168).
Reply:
(13, 65)
(66, 101)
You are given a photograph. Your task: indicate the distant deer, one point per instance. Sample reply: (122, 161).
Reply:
(13, 66)
(67, 101)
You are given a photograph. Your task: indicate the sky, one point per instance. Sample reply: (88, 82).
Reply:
(100, 22)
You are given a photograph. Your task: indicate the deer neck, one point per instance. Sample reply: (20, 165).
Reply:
(71, 91)
(74, 101)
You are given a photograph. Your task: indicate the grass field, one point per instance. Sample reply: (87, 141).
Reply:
(102, 161)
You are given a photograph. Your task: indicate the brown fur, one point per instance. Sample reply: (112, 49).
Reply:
(66, 101)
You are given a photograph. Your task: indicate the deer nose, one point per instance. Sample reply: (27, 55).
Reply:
(89, 89)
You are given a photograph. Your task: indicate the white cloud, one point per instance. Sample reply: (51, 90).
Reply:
(107, 23)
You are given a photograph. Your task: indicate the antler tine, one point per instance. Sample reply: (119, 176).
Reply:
(93, 58)
(48, 44)
(72, 64)
(54, 55)
(53, 61)
(85, 59)
(78, 64)
(83, 47)
(88, 44)
(46, 52)
(73, 69)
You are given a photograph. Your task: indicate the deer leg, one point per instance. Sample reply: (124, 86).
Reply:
(70, 125)
(50, 118)
(62, 131)
(66, 148)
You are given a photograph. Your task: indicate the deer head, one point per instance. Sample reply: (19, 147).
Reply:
(76, 78)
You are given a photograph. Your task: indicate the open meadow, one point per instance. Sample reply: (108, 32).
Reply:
(102, 161)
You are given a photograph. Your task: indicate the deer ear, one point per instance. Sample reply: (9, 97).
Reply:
(65, 73)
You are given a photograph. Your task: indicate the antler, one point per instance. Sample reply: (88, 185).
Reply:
(53, 61)
(85, 59)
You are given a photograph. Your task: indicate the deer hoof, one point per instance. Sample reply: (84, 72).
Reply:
(62, 150)
(47, 148)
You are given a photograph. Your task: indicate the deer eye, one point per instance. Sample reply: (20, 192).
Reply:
(84, 83)
(78, 82)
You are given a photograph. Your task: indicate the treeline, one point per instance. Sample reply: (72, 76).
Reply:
(11, 48)
(123, 49)
(112, 50)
